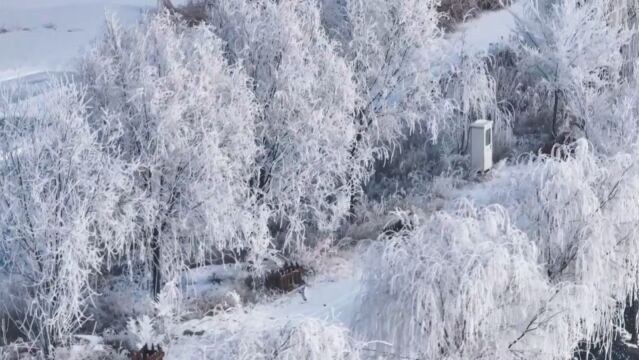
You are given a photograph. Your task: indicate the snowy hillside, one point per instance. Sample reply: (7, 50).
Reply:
(490, 28)
(46, 36)
(39, 36)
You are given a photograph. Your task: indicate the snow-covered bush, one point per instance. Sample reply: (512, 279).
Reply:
(250, 338)
(89, 347)
(143, 331)
(459, 286)
(169, 104)
(307, 96)
(581, 214)
(62, 212)
(470, 281)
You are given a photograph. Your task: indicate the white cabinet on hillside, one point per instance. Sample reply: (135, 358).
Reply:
(481, 145)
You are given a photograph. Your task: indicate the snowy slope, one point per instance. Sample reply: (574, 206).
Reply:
(42, 36)
(477, 34)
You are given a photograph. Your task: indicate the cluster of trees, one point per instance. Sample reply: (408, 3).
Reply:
(544, 265)
(251, 132)
(547, 262)
(252, 127)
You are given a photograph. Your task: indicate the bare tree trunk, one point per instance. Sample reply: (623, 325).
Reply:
(554, 114)
(156, 272)
(359, 118)
(630, 318)
(160, 226)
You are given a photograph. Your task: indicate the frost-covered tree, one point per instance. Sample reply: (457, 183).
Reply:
(575, 48)
(307, 95)
(184, 121)
(471, 93)
(398, 55)
(457, 287)
(417, 94)
(392, 46)
(559, 268)
(62, 212)
(582, 214)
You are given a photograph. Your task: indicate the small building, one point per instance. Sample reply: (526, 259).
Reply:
(481, 145)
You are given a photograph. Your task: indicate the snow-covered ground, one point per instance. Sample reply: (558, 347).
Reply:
(476, 35)
(45, 36)
(330, 296)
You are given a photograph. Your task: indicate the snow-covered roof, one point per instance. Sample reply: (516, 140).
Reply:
(482, 124)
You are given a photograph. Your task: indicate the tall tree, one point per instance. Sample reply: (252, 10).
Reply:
(62, 212)
(575, 48)
(306, 94)
(395, 50)
(183, 119)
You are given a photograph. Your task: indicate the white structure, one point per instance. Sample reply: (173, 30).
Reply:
(481, 145)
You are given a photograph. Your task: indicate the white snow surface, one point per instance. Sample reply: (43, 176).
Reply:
(38, 37)
(476, 35)
(331, 297)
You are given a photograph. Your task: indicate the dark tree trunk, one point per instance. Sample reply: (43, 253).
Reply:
(359, 118)
(555, 114)
(354, 191)
(630, 318)
(156, 286)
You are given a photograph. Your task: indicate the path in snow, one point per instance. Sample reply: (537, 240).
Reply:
(331, 297)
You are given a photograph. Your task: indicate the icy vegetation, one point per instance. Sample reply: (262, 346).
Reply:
(472, 280)
(292, 179)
